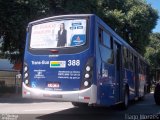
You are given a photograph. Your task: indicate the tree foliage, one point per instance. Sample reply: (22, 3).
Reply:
(153, 50)
(133, 20)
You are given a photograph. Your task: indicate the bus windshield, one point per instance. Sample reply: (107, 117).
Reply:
(58, 34)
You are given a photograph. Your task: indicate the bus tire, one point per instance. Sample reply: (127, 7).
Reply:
(76, 104)
(125, 103)
(157, 94)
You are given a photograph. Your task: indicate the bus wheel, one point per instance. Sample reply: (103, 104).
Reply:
(76, 104)
(126, 100)
(157, 94)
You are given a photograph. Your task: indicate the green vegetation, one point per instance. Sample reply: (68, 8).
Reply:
(133, 20)
(153, 50)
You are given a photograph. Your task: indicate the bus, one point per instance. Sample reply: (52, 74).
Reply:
(80, 59)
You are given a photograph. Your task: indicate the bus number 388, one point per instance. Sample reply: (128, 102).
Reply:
(73, 62)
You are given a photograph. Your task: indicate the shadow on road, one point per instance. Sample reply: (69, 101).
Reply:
(141, 109)
(97, 113)
(18, 99)
(102, 113)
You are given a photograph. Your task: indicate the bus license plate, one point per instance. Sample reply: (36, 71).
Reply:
(53, 85)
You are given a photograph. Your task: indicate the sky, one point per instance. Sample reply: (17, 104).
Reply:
(156, 5)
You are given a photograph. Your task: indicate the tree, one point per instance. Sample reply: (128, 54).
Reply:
(153, 50)
(133, 20)
(15, 15)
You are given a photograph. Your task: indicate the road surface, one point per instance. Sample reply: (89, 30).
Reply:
(16, 108)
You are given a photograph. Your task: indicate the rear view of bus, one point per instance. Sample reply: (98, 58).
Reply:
(58, 60)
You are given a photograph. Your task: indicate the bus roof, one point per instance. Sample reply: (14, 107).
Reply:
(62, 16)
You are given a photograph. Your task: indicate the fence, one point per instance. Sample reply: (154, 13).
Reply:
(10, 81)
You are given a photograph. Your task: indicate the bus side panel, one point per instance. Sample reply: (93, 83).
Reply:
(131, 82)
(105, 75)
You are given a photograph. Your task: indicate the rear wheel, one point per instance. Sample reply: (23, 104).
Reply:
(157, 94)
(76, 104)
(126, 99)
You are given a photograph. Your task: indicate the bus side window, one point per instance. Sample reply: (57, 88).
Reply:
(106, 39)
(100, 35)
(111, 38)
(130, 60)
(140, 66)
(125, 57)
(106, 46)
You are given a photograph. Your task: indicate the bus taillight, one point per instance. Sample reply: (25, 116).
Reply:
(87, 75)
(86, 98)
(54, 51)
(25, 74)
(88, 68)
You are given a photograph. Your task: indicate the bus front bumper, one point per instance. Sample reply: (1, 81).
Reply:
(88, 95)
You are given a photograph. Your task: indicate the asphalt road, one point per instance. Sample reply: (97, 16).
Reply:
(16, 108)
